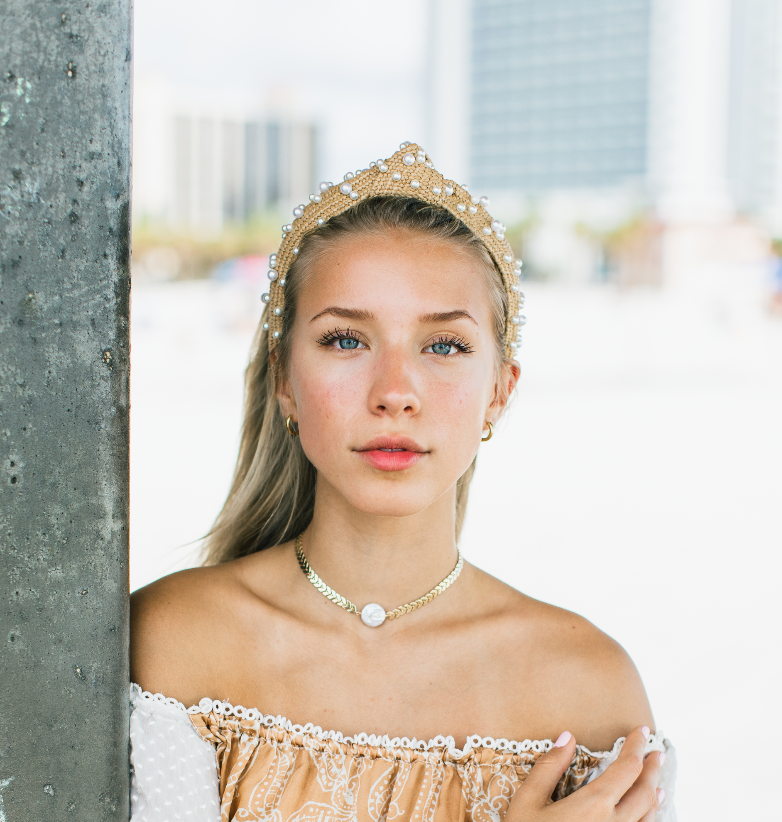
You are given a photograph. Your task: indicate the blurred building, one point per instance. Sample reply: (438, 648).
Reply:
(610, 126)
(560, 93)
(197, 167)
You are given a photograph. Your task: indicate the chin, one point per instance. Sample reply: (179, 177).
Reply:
(392, 499)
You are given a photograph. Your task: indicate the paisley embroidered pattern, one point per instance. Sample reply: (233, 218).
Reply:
(271, 770)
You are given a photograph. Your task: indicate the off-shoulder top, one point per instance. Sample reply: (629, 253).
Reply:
(215, 762)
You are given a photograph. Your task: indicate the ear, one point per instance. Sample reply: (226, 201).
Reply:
(510, 371)
(283, 390)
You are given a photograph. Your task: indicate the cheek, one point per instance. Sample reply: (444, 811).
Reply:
(462, 402)
(327, 402)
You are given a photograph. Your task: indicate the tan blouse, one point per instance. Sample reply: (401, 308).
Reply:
(272, 770)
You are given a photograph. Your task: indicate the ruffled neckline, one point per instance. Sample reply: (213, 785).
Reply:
(474, 742)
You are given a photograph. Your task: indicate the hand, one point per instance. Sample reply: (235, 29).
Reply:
(626, 792)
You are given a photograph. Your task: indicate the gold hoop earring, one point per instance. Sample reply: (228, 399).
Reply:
(490, 434)
(294, 432)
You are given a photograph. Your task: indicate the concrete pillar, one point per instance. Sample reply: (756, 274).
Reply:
(65, 97)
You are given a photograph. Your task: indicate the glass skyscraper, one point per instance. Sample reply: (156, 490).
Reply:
(560, 93)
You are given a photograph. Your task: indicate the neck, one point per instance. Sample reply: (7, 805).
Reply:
(387, 560)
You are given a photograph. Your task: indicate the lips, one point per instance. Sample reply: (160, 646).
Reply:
(391, 453)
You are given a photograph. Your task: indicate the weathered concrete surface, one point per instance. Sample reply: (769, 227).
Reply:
(65, 96)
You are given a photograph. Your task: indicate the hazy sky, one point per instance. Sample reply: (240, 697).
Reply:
(356, 67)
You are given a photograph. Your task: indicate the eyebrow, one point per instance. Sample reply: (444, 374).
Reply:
(367, 316)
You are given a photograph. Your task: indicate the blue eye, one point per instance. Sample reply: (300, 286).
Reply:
(441, 348)
(348, 343)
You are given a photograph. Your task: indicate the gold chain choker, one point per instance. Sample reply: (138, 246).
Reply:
(373, 614)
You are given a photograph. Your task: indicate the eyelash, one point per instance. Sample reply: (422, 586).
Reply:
(456, 342)
(329, 337)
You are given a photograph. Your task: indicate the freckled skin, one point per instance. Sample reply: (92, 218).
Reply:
(344, 398)
(481, 658)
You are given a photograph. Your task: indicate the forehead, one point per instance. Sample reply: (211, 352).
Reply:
(397, 270)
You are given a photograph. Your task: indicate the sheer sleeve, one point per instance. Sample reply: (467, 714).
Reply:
(173, 770)
(667, 781)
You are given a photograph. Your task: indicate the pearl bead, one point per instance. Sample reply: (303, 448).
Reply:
(272, 256)
(429, 164)
(497, 226)
(500, 235)
(461, 207)
(354, 195)
(373, 615)
(473, 209)
(522, 319)
(265, 326)
(514, 345)
(372, 164)
(346, 188)
(514, 288)
(396, 176)
(466, 188)
(315, 198)
(408, 159)
(276, 335)
(281, 283)
(324, 186)
(448, 191)
(272, 262)
(295, 250)
(514, 320)
(289, 227)
(437, 191)
(487, 231)
(321, 221)
(421, 158)
(349, 176)
(383, 167)
(404, 145)
(265, 298)
(484, 201)
(474, 200)
(298, 211)
(285, 229)
(518, 263)
(521, 295)
(507, 257)
(272, 275)
(415, 183)
(277, 312)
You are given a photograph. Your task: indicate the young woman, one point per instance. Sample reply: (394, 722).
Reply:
(388, 678)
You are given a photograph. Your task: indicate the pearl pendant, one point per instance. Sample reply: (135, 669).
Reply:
(373, 615)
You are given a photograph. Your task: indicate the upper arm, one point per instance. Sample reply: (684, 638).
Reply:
(169, 628)
(607, 697)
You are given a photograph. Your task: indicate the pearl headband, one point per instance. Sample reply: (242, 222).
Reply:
(409, 173)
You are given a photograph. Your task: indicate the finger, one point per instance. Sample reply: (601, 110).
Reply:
(643, 799)
(537, 788)
(621, 774)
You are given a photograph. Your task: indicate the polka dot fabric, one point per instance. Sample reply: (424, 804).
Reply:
(174, 771)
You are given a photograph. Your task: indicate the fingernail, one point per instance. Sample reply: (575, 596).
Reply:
(662, 757)
(564, 738)
(645, 731)
(660, 796)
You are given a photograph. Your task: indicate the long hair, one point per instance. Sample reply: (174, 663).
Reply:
(272, 495)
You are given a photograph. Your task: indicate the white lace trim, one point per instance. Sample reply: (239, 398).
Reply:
(222, 708)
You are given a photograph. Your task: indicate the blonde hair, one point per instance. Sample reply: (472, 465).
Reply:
(272, 494)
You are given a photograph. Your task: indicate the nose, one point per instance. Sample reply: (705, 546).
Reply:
(394, 391)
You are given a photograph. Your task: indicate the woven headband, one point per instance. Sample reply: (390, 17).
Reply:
(409, 173)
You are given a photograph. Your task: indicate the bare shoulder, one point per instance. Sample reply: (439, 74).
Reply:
(171, 622)
(575, 676)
